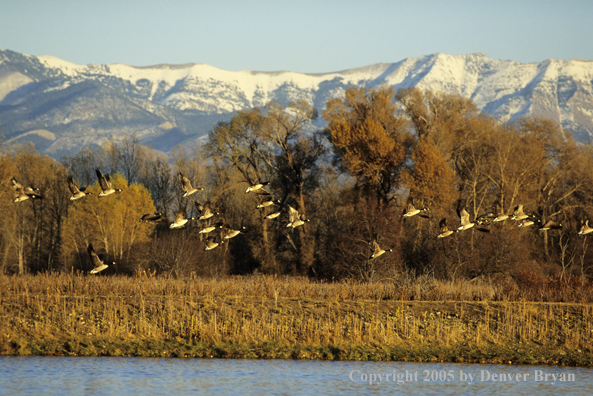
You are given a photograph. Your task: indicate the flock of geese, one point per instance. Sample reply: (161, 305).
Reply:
(205, 211)
(482, 223)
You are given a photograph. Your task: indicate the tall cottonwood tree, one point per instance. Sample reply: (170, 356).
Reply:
(369, 140)
(294, 157)
(110, 223)
(272, 144)
(239, 144)
(443, 117)
(560, 172)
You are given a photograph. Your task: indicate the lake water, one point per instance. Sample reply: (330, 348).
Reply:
(163, 376)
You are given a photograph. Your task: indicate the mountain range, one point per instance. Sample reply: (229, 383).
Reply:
(62, 107)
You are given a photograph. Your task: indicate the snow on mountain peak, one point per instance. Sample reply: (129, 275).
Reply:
(68, 68)
(181, 94)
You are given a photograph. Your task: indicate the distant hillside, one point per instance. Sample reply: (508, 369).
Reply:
(62, 107)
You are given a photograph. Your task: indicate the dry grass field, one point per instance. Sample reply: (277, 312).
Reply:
(418, 319)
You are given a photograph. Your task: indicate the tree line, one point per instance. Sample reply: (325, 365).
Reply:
(380, 149)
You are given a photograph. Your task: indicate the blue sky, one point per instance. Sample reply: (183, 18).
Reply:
(303, 36)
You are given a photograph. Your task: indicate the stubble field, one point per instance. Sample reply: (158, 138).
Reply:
(286, 317)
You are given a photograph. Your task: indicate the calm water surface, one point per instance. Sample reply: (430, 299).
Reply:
(162, 376)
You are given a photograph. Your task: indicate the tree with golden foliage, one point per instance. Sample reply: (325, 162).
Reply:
(369, 140)
(30, 235)
(431, 180)
(112, 224)
(444, 117)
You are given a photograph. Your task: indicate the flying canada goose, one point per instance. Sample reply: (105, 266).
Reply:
(445, 231)
(228, 233)
(518, 213)
(186, 185)
(257, 186)
(20, 196)
(273, 215)
(77, 193)
(211, 228)
(105, 184)
(484, 221)
(528, 222)
(205, 210)
(500, 214)
(485, 218)
(299, 222)
(464, 219)
(268, 203)
(376, 249)
(294, 219)
(180, 220)
(24, 193)
(152, 218)
(211, 243)
(585, 229)
(550, 225)
(98, 265)
(411, 210)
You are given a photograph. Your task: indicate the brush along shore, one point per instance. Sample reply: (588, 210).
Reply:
(265, 317)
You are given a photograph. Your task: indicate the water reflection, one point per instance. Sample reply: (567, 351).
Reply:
(162, 376)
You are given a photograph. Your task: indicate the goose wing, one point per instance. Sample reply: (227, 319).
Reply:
(254, 187)
(499, 210)
(72, 186)
(459, 207)
(463, 216)
(375, 248)
(551, 225)
(185, 183)
(293, 214)
(151, 217)
(226, 230)
(518, 210)
(104, 181)
(179, 216)
(16, 185)
(199, 206)
(95, 260)
(206, 211)
(443, 225)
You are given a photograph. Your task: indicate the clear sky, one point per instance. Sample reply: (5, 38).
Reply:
(304, 36)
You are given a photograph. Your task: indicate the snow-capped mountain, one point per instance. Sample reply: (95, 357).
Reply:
(62, 106)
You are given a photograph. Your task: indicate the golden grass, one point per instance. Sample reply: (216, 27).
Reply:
(264, 316)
